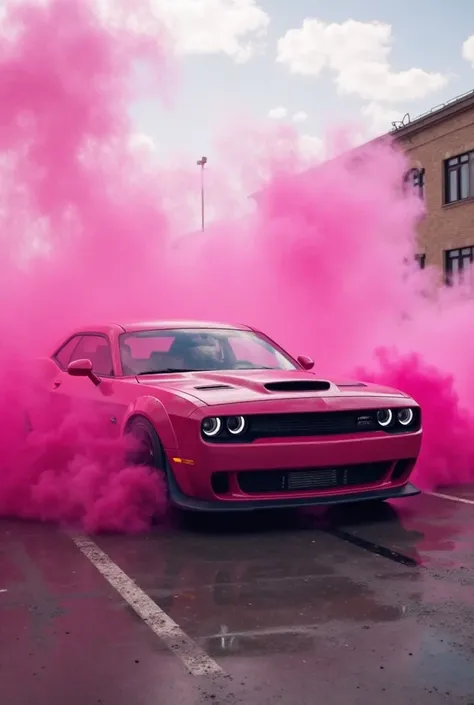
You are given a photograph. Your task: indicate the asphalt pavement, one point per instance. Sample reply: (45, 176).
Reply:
(348, 606)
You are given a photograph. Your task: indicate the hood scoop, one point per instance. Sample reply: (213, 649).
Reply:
(204, 387)
(297, 385)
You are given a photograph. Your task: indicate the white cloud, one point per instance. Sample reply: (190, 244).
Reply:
(233, 27)
(358, 53)
(300, 116)
(468, 50)
(139, 141)
(280, 113)
(236, 28)
(277, 113)
(311, 148)
(379, 119)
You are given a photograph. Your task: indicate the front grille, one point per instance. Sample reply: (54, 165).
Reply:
(312, 424)
(323, 423)
(310, 479)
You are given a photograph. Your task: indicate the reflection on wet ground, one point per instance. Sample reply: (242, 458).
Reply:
(352, 604)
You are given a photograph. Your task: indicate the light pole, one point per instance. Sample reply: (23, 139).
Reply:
(202, 163)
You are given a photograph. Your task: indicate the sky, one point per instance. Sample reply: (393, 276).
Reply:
(262, 65)
(311, 63)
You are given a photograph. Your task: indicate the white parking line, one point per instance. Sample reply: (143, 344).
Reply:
(196, 660)
(452, 498)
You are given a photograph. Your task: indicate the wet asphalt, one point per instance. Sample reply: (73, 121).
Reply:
(347, 606)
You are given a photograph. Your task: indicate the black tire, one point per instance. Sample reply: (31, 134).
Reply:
(149, 452)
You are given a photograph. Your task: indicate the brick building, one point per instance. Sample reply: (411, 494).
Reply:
(440, 146)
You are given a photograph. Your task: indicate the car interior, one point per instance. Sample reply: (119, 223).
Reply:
(185, 352)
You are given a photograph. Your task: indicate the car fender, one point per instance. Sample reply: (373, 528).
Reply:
(43, 371)
(152, 409)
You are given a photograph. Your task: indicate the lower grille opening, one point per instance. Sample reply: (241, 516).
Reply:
(310, 479)
(220, 482)
(402, 468)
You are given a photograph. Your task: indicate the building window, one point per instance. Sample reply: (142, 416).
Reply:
(459, 178)
(421, 260)
(458, 266)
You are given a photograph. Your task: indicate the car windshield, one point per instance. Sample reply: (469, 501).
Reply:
(190, 350)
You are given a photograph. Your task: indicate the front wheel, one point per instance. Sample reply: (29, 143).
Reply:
(146, 450)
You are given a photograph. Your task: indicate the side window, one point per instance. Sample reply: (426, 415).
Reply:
(64, 354)
(95, 348)
(458, 266)
(459, 178)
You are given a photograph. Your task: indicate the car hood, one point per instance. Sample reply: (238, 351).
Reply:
(257, 385)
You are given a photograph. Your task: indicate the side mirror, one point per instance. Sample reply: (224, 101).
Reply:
(306, 362)
(82, 368)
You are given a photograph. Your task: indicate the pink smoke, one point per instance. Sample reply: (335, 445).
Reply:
(87, 234)
(70, 184)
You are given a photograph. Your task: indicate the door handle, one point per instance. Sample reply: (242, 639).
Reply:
(56, 385)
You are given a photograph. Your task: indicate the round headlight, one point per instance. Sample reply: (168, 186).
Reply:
(235, 425)
(211, 426)
(384, 417)
(405, 416)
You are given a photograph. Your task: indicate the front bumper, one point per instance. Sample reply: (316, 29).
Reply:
(182, 501)
(250, 471)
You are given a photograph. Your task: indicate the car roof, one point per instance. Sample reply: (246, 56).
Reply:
(179, 325)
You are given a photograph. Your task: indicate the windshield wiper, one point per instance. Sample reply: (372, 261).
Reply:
(165, 371)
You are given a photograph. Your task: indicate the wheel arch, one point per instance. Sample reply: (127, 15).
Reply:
(156, 414)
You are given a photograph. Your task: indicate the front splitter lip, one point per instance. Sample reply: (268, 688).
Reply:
(182, 501)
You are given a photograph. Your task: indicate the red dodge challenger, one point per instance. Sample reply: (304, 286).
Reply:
(233, 422)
